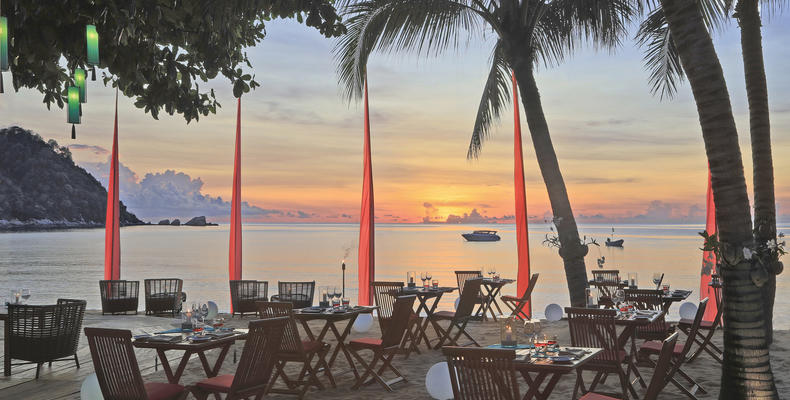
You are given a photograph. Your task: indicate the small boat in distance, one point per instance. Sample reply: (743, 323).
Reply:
(481, 236)
(610, 242)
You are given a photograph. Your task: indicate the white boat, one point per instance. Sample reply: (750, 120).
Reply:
(481, 236)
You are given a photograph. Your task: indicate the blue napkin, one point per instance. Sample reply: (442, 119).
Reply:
(520, 346)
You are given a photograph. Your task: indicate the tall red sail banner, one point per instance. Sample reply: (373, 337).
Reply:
(112, 223)
(522, 238)
(234, 262)
(367, 261)
(709, 259)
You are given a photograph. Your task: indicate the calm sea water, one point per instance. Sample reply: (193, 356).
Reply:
(70, 263)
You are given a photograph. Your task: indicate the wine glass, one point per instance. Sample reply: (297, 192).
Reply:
(422, 276)
(428, 277)
(618, 296)
(204, 311)
(656, 278)
(493, 273)
(25, 294)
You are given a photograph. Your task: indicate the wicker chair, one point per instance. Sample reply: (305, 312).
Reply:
(385, 294)
(294, 349)
(300, 294)
(649, 299)
(163, 296)
(119, 296)
(254, 370)
(596, 328)
(461, 317)
(117, 370)
(244, 294)
(39, 334)
(482, 373)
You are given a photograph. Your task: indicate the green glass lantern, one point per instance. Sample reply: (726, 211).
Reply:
(92, 42)
(80, 77)
(3, 44)
(73, 97)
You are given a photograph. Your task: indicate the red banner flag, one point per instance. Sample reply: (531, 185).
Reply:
(367, 261)
(234, 264)
(709, 259)
(112, 223)
(522, 233)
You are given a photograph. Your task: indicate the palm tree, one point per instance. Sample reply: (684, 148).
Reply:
(662, 60)
(529, 33)
(746, 371)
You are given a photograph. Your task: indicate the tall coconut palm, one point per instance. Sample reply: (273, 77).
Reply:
(661, 59)
(529, 33)
(746, 371)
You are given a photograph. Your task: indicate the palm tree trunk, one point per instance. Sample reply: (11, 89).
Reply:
(746, 371)
(760, 128)
(572, 250)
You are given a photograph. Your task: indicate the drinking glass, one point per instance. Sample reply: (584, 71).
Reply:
(494, 274)
(665, 287)
(428, 276)
(656, 278)
(204, 311)
(219, 322)
(422, 277)
(25, 293)
(346, 302)
(618, 296)
(435, 283)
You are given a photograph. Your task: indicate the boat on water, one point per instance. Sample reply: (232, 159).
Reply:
(481, 236)
(614, 243)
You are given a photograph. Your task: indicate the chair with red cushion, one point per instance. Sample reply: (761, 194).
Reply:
(482, 373)
(461, 317)
(649, 299)
(660, 374)
(596, 328)
(117, 371)
(679, 354)
(385, 294)
(294, 349)
(384, 349)
(254, 370)
(517, 304)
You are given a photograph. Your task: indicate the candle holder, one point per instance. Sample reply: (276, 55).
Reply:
(633, 282)
(411, 278)
(324, 299)
(507, 333)
(186, 322)
(592, 297)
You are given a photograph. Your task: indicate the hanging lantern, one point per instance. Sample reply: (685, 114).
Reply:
(73, 96)
(80, 77)
(92, 41)
(3, 49)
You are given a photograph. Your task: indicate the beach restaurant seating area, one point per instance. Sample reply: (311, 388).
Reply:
(287, 346)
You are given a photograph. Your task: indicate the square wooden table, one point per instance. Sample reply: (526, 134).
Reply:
(199, 348)
(630, 322)
(536, 370)
(492, 288)
(330, 320)
(423, 296)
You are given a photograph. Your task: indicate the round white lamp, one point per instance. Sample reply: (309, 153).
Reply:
(437, 381)
(688, 310)
(553, 312)
(90, 389)
(363, 323)
(213, 310)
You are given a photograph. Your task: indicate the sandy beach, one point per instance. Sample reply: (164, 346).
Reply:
(63, 381)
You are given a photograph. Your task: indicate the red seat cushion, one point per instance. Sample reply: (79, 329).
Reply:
(654, 347)
(444, 314)
(163, 391)
(702, 325)
(367, 343)
(219, 383)
(596, 396)
(311, 346)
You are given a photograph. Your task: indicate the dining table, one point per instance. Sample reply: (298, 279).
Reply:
(629, 321)
(542, 373)
(424, 296)
(178, 342)
(331, 317)
(490, 289)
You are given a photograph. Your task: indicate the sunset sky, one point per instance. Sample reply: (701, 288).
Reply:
(626, 155)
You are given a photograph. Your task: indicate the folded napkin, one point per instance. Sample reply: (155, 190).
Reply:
(174, 330)
(520, 346)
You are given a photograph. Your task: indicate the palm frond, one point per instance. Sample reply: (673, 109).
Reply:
(661, 57)
(495, 97)
(422, 26)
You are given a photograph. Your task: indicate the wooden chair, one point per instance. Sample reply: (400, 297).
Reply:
(517, 304)
(163, 296)
(245, 293)
(46, 333)
(385, 294)
(461, 277)
(704, 336)
(119, 296)
(384, 349)
(660, 373)
(117, 371)
(460, 318)
(606, 275)
(294, 349)
(300, 294)
(679, 354)
(596, 328)
(258, 359)
(649, 299)
(482, 373)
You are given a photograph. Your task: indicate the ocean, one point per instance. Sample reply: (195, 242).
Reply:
(69, 263)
